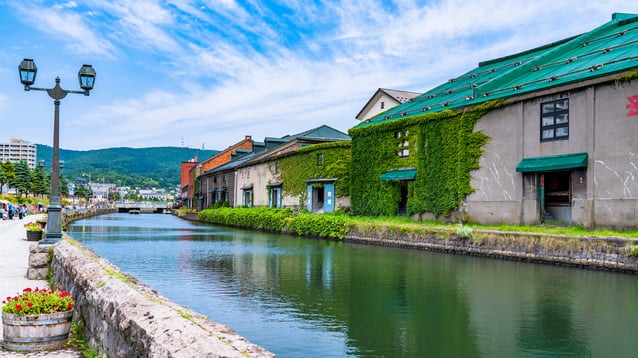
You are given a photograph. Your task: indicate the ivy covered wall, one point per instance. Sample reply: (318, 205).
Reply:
(304, 165)
(443, 148)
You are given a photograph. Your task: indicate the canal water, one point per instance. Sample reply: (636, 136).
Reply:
(301, 297)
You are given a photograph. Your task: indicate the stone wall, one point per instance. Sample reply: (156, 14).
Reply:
(124, 318)
(599, 253)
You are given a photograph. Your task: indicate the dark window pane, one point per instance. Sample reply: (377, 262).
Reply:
(548, 121)
(562, 104)
(548, 134)
(548, 107)
(562, 118)
(562, 131)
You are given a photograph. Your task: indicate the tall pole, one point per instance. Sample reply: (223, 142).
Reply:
(86, 76)
(54, 221)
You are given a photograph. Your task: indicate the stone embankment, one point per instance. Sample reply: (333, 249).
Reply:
(74, 215)
(592, 252)
(123, 317)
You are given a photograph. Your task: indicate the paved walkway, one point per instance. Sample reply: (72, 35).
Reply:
(14, 261)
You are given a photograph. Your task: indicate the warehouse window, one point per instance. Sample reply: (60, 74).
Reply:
(555, 120)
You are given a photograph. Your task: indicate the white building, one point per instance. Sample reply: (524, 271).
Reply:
(101, 191)
(150, 194)
(16, 150)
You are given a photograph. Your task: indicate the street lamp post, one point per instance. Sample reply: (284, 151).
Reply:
(86, 76)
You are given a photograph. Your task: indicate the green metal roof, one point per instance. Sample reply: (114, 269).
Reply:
(610, 48)
(401, 174)
(554, 162)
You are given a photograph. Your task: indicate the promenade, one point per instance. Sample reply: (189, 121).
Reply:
(14, 261)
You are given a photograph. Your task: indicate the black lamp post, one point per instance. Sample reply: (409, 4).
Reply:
(86, 76)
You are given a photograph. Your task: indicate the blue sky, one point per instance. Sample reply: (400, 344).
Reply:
(207, 73)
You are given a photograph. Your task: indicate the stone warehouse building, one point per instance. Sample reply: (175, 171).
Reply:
(546, 134)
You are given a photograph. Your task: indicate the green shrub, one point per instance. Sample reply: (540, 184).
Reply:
(463, 232)
(260, 218)
(326, 225)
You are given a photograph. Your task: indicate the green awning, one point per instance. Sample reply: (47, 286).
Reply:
(551, 163)
(401, 174)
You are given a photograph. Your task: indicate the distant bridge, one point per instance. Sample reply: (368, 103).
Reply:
(143, 207)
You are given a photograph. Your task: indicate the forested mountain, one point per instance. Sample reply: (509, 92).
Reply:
(135, 167)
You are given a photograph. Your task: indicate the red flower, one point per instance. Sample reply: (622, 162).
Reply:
(64, 294)
(27, 290)
(29, 304)
(19, 307)
(70, 305)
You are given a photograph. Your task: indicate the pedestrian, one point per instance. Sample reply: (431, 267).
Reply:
(11, 212)
(22, 212)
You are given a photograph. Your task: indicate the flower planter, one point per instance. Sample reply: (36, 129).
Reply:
(35, 332)
(34, 235)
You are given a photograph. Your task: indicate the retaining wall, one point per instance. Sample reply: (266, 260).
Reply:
(125, 318)
(599, 253)
(591, 252)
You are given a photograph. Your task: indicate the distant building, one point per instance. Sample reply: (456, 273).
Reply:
(187, 182)
(382, 100)
(16, 150)
(101, 190)
(153, 194)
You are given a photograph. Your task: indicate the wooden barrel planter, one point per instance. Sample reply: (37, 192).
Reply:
(35, 332)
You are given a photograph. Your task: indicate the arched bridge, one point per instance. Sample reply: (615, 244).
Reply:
(143, 207)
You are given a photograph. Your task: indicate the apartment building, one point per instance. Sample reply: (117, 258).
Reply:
(16, 150)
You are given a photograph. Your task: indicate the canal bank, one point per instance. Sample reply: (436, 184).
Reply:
(302, 297)
(589, 252)
(123, 317)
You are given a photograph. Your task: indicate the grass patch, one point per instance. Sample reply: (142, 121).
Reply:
(76, 339)
(549, 228)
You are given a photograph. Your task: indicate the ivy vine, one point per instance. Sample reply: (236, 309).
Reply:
(294, 170)
(443, 148)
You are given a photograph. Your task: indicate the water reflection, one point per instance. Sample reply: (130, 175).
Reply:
(547, 325)
(303, 297)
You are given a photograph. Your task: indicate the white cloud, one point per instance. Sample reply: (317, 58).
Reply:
(71, 27)
(224, 69)
(142, 24)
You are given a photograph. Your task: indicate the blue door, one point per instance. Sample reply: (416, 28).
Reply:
(329, 199)
(275, 197)
(309, 198)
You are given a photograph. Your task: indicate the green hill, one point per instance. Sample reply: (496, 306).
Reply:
(135, 167)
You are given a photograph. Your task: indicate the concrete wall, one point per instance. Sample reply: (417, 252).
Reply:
(605, 194)
(125, 318)
(260, 176)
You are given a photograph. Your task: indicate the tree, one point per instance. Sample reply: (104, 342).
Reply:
(40, 181)
(22, 180)
(7, 173)
(63, 186)
(3, 180)
(80, 191)
(131, 195)
(114, 195)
